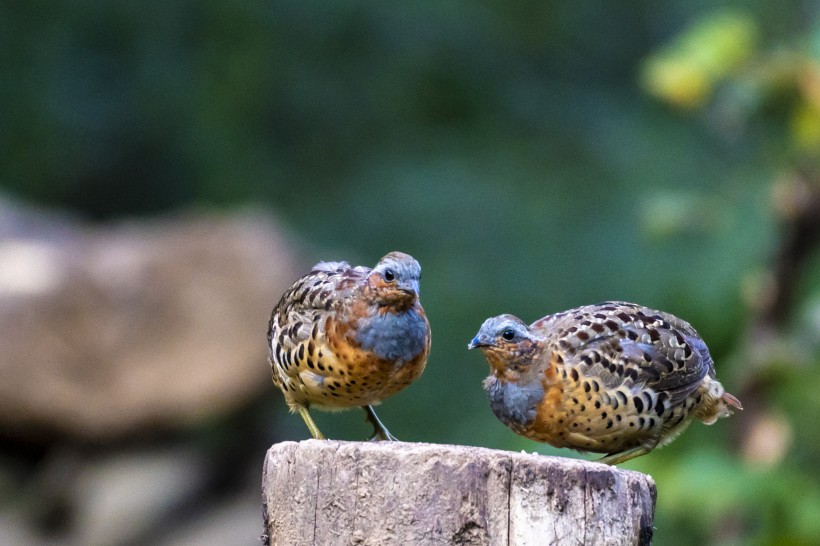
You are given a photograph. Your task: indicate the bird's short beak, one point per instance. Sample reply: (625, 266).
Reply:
(411, 288)
(477, 341)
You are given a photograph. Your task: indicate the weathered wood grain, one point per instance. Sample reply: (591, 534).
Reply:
(382, 493)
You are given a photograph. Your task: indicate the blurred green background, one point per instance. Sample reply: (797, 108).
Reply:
(532, 156)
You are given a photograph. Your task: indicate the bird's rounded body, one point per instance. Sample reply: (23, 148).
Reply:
(610, 378)
(344, 337)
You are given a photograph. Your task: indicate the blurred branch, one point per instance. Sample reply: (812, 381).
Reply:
(797, 202)
(764, 435)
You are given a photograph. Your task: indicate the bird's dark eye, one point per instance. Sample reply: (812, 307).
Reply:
(389, 275)
(508, 334)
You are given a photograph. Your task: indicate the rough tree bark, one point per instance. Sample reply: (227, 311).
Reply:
(381, 493)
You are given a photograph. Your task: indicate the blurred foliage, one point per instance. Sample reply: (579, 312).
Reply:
(686, 72)
(533, 156)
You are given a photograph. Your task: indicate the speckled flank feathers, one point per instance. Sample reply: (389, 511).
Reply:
(345, 336)
(612, 378)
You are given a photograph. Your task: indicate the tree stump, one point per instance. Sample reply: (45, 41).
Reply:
(328, 492)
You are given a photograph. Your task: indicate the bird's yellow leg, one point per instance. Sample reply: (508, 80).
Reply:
(314, 430)
(380, 432)
(623, 456)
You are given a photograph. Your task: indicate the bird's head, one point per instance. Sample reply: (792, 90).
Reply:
(395, 280)
(507, 343)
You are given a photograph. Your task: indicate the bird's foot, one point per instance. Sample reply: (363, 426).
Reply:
(622, 456)
(314, 430)
(380, 432)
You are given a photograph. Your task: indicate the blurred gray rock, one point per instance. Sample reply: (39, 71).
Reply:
(237, 523)
(111, 329)
(121, 496)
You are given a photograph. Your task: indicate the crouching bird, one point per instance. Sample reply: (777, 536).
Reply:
(613, 378)
(344, 337)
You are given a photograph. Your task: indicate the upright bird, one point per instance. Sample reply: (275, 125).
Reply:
(612, 378)
(344, 336)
